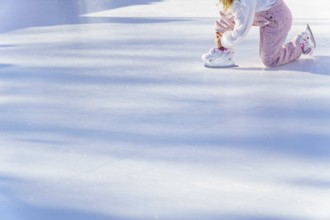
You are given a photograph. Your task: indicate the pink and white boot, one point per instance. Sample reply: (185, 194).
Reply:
(219, 58)
(306, 41)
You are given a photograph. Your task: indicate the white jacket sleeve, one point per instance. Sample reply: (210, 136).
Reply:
(244, 17)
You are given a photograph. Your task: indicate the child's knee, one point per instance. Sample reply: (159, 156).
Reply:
(269, 61)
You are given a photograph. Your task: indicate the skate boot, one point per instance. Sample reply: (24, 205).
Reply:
(306, 41)
(219, 58)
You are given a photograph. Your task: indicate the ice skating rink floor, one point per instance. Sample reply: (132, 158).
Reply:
(119, 120)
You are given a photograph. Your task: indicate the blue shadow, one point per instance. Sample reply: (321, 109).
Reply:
(316, 65)
(35, 13)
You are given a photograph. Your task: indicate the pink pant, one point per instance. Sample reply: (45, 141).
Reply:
(275, 25)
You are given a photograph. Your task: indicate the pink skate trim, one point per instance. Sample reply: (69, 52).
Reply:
(222, 49)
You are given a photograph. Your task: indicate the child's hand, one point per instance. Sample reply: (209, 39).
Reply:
(218, 40)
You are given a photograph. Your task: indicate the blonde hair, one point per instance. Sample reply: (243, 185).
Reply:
(226, 4)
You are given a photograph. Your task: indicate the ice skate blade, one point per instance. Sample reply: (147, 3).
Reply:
(310, 31)
(221, 67)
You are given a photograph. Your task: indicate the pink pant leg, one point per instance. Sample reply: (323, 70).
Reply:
(273, 50)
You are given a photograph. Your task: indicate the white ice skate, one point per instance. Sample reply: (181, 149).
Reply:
(306, 41)
(219, 58)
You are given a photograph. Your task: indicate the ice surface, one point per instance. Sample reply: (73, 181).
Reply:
(107, 117)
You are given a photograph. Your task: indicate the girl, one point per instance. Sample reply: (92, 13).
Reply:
(274, 19)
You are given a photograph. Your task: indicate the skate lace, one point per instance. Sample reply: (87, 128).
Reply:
(216, 50)
(212, 51)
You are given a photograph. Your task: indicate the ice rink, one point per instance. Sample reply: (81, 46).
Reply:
(107, 113)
